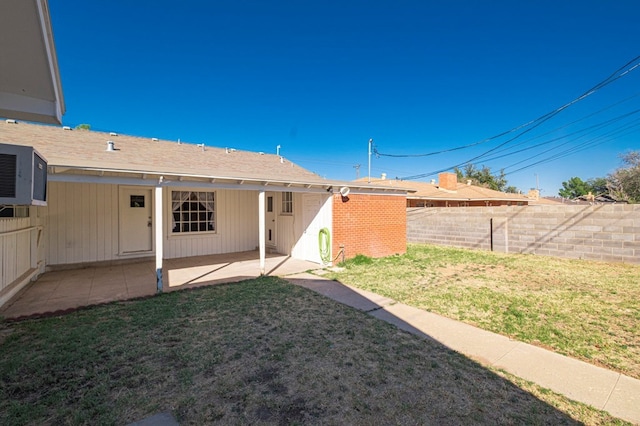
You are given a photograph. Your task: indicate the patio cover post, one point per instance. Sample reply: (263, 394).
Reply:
(158, 234)
(261, 228)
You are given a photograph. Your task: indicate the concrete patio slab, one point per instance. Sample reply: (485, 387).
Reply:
(63, 290)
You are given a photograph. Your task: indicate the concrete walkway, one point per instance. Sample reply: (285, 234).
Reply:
(601, 388)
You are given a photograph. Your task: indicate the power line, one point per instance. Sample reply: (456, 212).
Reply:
(572, 123)
(588, 130)
(617, 74)
(629, 128)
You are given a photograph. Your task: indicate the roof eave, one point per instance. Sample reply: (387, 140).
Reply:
(330, 186)
(39, 106)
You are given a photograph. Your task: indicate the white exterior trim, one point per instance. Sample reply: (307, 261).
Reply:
(159, 238)
(261, 229)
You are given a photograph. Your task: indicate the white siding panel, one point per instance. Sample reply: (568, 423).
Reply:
(92, 225)
(15, 249)
(323, 219)
(290, 228)
(285, 234)
(81, 223)
(236, 227)
(112, 209)
(101, 247)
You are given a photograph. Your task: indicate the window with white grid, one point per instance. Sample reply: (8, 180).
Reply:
(287, 203)
(193, 211)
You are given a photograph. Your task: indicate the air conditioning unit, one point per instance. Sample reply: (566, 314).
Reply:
(23, 176)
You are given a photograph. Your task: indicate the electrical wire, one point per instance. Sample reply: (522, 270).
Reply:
(564, 126)
(629, 128)
(617, 74)
(588, 130)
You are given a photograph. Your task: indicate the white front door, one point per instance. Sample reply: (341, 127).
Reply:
(311, 221)
(136, 227)
(270, 220)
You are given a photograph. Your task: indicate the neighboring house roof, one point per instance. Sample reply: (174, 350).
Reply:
(30, 87)
(544, 201)
(585, 200)
(448, 189)
(84, 151)
(600, 199)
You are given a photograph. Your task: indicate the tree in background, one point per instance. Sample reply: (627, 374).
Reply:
(598, 186)
(624, 183)
(482, 177)
(574, 188)
(83, 127)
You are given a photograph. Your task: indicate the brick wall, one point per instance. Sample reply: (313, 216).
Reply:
(598, 232)
(373, 225)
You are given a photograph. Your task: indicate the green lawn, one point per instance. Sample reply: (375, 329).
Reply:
(258, 352)
(585, 309)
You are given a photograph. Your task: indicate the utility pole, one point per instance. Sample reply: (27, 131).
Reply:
(357, 167)
(370, 143)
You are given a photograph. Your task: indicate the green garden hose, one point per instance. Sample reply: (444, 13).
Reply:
(324, 241)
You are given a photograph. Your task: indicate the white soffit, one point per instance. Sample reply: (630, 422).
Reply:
(30, 87)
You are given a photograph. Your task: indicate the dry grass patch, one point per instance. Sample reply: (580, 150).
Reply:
(258, 352)
(585, 309)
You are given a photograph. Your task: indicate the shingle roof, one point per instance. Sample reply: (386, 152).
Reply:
(462, 192)
(545, 201)
(87, 149)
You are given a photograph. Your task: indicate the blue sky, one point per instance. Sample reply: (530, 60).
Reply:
(321, 78)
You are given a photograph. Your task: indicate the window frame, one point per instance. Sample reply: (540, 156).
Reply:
(202, 216)
(286, 207)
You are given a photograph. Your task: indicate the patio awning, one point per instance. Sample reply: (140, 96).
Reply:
(30, 87)
(154, 178)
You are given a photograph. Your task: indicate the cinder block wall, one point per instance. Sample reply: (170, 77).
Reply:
(373, 225)
(598, 232)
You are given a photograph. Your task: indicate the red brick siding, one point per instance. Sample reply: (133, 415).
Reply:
(373, 225)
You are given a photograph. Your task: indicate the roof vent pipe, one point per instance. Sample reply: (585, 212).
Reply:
(111, 146)
(113, 134)
(11, 121)
(468, 182)
(433, 181)
(383, 176)
(66, 128)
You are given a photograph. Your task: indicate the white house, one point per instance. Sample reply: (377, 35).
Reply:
(70, 198)
(114, 198)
